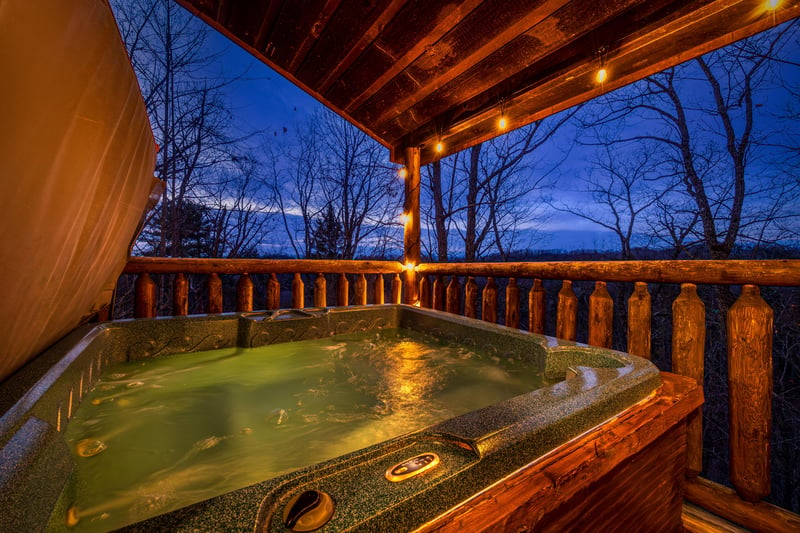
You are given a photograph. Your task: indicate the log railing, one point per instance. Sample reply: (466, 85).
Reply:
(471, 289)
(749, 325)
(145, 298)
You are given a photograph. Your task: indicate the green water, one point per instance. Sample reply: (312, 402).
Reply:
(157, 435)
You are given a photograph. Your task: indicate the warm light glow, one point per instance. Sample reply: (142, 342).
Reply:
(402, 173)
(502, 123)
(602, 75)
(439, 147)
(404, 218)
(409, 267)
(773, 4)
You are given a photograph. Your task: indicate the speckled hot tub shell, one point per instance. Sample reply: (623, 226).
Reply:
(475, 449)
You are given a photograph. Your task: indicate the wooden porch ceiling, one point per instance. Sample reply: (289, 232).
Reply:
(420, 72)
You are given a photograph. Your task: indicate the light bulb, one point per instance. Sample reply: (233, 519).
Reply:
(773, 4)
(439, 147)
(402, 173)
(502, 123)
(602, 75)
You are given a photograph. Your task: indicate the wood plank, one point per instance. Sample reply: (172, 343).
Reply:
(750, 330)
(173, 265)
(758, 516)
(697, 520)
(561, 474)
(770, 272)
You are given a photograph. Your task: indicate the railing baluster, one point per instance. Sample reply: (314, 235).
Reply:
(273, 292)
(536, 307)
(397, 289)
(471, 298)
(439, 293)
(749, 324)
(180, 295)
(320, 291)
(214, 285)
(361, 290)
(567, 312)
(639, 321)
(489, 303)
(454, 296)
(378, 290)
(145, 297)
(601, 316)
(512, 303)
(244, 294)
(688, 348)
(298, 292)
(425, 298)
(342, 291)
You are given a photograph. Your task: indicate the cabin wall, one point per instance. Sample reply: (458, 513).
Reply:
(76, 168)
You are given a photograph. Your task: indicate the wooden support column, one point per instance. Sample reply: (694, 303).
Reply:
(639, 321)
(567, 312)
(471, 298)
(180, 295)
(320, 291)
(601, 316)
(411, 230)
(214, 286)
(145, 297)
(377, 289)
(273, 292)
(512, 303)
(454, 296)
(749, 324)
(688, 349)
(536, 307)
(298, 292)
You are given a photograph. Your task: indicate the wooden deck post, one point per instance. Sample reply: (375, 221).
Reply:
(361, 290)
(244, 294)
(453, 304)
(489, 303)
(214, 285)
(145, 297)
(749, 324)
(298, 292)
(425, 292)
(536, 307)
(512, 304)
(378, 290)
(688, 349)
(273, 292)
(180, 295)
(411, 230)
(601, 316)
(567, 312)
(320, 291)
(471, 298)
(639, 321)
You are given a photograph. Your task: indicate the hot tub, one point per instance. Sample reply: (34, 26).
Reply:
(398, 484)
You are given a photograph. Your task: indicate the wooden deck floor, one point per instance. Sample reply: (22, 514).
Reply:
(698, 520)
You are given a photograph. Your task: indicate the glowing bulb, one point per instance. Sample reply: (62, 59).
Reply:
(502, 123)
(439, 147)
(408, 267)
(402, 173)
(773, 4)
(404, 218)
(602, 75)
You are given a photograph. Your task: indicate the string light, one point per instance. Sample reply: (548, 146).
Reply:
(439, 147)
(602, 75)
(404, 219)
(773, 4)
(502, 123)
(402, 173)
(409, 267)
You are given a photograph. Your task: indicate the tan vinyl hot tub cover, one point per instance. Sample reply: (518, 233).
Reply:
(76, 167)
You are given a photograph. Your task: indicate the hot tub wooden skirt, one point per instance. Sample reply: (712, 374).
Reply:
(626, 474)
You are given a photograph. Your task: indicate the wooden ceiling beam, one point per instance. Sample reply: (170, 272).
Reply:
(313, 34)
(699, 31)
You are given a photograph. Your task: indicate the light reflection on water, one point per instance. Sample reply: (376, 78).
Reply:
(181, 429)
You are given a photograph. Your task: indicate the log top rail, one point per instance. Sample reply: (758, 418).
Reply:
(769, 272)
(180, 265)
(414, 74)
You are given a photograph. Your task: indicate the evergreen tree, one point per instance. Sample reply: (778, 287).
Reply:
(328, 236)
